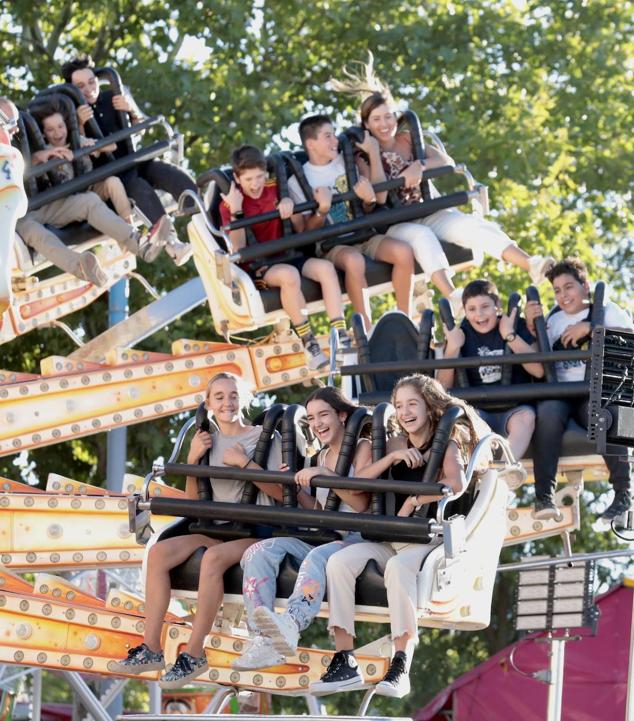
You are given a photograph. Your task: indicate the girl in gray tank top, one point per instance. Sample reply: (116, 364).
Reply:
(231, 445)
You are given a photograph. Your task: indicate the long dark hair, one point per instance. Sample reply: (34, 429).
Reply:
(335, 398)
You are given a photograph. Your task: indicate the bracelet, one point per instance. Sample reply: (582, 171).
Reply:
(246, 464)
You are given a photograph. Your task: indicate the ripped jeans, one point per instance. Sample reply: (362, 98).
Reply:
(261, 564)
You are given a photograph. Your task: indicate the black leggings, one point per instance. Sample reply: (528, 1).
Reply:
(141, 181)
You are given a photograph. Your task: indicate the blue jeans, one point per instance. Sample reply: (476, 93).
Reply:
(261, 564)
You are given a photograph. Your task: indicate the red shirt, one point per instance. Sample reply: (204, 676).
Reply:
(263, 232)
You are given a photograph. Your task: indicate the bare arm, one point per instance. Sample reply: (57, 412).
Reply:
(436, 158)
(518, 344)
(455, 340)
(453, 477)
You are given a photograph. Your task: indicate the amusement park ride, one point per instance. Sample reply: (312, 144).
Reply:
(50, 622)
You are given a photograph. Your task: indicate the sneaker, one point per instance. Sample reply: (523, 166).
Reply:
(89, 268)
(455, 301)
(342, 674)
(395, 683)
(258, 654)
(185, 669)
(546, 510)
(151, 245)
(538, 266)
(140, 659)
(345, 341)
(621, 504)
(280, 628)
(316, 358)
(179, 252)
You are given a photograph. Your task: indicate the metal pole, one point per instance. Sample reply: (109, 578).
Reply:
(94, 708)
(155, 697)
(116, 452)
(556, 678)
(629, 709)
(36, 704)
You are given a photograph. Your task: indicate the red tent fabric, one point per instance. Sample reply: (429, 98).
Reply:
(595, 675)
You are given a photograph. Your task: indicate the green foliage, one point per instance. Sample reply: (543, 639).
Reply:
(534, 96)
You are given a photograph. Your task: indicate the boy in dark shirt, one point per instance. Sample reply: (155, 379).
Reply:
(484, 332)
(253, 194)
(140, 180)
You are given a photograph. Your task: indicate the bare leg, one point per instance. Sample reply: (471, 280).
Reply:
(323, 272)
(164, 556)
(353, 265)
(287, 279)
(515, 255)
(216, 561)
(443, 282)
(520, 429)
(343, 640)
(401, 257)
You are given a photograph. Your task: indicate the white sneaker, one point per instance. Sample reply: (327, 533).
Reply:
(395, 683)
(538, 266)
(179, 252)
(258, 654)
(280, 628)
(455, 301)
(315, 357)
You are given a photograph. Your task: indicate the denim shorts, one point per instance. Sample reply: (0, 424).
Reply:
(498, 420)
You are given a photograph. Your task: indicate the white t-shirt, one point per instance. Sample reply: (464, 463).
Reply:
(228, 491)
(556, 324)
(333, 176)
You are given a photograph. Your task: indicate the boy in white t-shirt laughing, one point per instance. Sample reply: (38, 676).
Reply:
(569, 327)
(326, 174)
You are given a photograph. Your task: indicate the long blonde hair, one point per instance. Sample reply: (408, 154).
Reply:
(364, 84)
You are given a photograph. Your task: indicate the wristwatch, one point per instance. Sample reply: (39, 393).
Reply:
(238, 215)
(510, 337)
(319, 214)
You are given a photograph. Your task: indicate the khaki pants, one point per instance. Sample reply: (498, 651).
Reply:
(75, 208)
(111, 189)
(400, 564)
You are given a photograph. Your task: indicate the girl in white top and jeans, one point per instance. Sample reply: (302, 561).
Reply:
(328, 410)
(232, 445)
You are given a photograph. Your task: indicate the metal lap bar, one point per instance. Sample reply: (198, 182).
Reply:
(115, 137)
(396, 215)
(471, 362)
(80, 183)
(337, 198)
(413, 530)
(503, 394)
(371, 485)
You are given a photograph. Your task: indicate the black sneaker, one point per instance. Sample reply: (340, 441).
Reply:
(342, 674)
(395, 683)
(546, 510)
(140, 659)
(186, 668)
(621, 504)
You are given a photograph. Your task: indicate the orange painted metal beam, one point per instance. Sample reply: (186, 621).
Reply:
(74, 398)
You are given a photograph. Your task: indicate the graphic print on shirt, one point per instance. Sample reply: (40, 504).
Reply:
(338, 212)
(490, 374)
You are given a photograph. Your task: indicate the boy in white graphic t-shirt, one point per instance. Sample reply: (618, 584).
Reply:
(325, 172)
(569, 327)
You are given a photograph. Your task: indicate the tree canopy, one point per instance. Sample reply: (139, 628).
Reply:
(535, 96)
